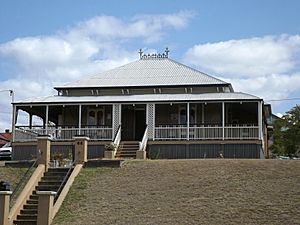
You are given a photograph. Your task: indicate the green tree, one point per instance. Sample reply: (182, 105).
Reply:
(286, 133)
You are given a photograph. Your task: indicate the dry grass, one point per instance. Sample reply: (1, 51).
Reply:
(11, 175)
(186, 192)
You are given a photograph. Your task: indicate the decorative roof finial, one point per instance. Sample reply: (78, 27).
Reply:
(167, 52)
(141, 53)
(154, 56)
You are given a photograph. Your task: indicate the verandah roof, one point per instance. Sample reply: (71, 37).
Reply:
(231, 96)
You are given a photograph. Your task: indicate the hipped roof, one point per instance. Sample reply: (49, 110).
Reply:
(147, 73)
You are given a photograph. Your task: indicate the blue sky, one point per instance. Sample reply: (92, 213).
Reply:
(252, 44)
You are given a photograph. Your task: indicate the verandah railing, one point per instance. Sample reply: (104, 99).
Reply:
(161, 132)
(26, 133)
(206, 132)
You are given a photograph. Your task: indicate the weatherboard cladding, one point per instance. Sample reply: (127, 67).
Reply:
(147, 72)
(230, 96)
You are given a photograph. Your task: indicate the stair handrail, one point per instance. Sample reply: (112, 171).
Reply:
(143, 143)
(64, 181)
(22, 181)
(117, 138)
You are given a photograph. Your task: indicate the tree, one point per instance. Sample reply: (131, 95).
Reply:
(286, 133)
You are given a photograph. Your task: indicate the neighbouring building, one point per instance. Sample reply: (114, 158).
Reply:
(154, 104)
(5, 137)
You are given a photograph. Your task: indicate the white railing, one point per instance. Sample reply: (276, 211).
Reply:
(143, 143)
(95, 133)
(66, 133)
(24, 133)
(241, 132)
(206, 132)
(170, 132)
(117, 139)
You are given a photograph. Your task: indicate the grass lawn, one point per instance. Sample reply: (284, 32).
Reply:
(11, 175)
(186, 192)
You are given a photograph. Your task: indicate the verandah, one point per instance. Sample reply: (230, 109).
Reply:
(165, 121)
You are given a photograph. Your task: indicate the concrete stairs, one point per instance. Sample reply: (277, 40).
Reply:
(51, 181)
(127, 149)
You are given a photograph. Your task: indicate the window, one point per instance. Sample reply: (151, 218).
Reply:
(99, 116)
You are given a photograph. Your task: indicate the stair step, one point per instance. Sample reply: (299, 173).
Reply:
(58, 170)
(27, 217)
(129, 146)
(25, 222)
(47, 187)
(126, 153)
(49, 182)
(54, 174)
(32, 201)
(52, 178)
(31, 206)
(29, 211)
(133, 152)
(34, 197)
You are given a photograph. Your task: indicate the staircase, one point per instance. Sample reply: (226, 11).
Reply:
(127, 149)
(51, 181)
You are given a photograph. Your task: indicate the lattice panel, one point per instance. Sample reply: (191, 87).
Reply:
(150, 120)
(116, 118)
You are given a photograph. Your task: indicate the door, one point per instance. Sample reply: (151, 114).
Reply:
(133, 122)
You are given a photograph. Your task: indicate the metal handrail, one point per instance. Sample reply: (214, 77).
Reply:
(63, 182)
(22, 181)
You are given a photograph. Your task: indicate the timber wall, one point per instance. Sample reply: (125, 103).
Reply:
(28, 152)
(190, 151)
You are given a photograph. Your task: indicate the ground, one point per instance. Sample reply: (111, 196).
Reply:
(11, 175)
(186, 192)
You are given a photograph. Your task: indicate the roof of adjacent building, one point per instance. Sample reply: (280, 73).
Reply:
(5, 137)
(146, 72)
(229, 96)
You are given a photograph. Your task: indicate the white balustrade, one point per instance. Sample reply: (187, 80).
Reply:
(24, 133)
(206, 132)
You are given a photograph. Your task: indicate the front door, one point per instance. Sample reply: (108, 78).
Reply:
(133, 122)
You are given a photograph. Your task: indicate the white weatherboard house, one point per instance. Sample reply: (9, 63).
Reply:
(154, 104)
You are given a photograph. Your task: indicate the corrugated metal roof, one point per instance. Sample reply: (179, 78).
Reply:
(141, 98)
(147, 72)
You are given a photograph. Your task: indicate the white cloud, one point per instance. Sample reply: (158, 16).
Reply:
(90, 47)
(263, 66)
(247, 57)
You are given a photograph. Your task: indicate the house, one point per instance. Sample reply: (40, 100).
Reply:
(154, 104)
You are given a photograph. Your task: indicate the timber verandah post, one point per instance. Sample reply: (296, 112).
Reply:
(259, 106)
(47, 119)
(223, 120)
(188, 121)
(79, 119)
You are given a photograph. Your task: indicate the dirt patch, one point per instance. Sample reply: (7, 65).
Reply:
(186, 192)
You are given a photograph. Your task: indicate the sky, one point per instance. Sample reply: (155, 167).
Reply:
(254, 45)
